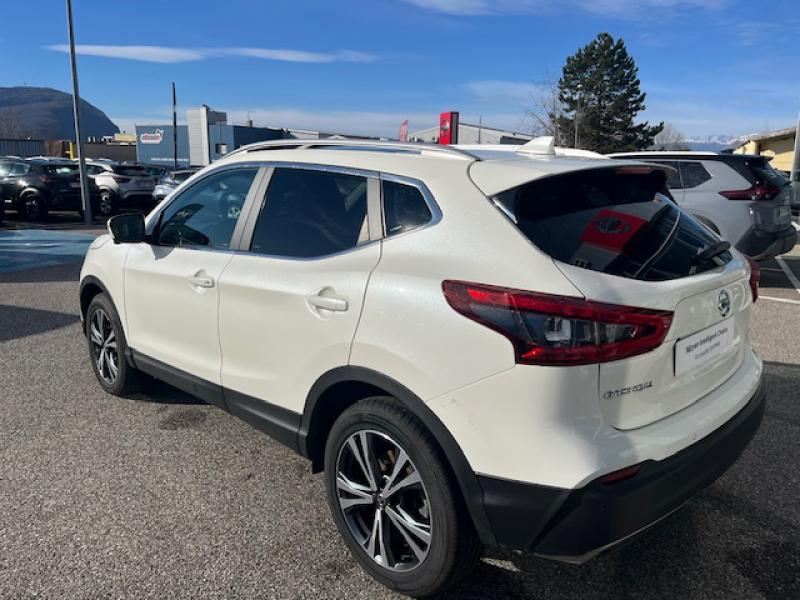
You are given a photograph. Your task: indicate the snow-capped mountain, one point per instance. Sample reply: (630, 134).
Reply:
(715, 143)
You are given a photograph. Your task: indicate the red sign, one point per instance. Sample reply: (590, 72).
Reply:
(611, 229)
(448, 128)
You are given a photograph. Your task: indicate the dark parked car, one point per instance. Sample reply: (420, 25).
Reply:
(34, 187)
(170, 181)
(155, 171)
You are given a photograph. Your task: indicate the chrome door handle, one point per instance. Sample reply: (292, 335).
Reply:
(202, 282)
(332, 303)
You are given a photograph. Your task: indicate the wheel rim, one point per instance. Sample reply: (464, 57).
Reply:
(105, 204)
(104, 346)
(383, 500)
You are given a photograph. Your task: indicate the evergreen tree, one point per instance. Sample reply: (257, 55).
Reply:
(600, 83)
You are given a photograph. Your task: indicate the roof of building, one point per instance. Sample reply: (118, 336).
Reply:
(773, 135)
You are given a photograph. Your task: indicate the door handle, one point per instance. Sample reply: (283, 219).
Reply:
(202, 282)
(332, 303)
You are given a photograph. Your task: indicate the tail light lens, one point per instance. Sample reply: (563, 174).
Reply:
(121, 178)
(546, 329)
(755, 278)
(757, 192)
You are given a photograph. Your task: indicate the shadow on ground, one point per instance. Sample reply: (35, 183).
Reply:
(17, 322)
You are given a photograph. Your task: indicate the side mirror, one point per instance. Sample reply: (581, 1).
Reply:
(127, 228)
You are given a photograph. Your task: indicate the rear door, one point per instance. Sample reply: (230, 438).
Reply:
(289, 306)
(621, 242)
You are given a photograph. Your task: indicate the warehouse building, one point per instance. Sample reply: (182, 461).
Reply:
(471, 134)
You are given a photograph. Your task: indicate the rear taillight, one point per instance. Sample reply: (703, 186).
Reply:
(755, 278)
(546, 329)
(121, 178)
(757, 192)
(621, 475)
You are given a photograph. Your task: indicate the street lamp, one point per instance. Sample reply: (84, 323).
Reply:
(76, 103)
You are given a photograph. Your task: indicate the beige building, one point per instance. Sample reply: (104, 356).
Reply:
(777, 144)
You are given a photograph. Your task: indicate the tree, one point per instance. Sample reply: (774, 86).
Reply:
(543, 116)
(599, 85)
(669, 138)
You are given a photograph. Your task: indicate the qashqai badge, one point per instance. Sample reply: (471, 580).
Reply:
(724, 303)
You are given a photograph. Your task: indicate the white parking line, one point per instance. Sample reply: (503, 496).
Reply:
(791, 276)
(774, 299)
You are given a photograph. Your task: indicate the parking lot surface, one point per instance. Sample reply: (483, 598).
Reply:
(162, 496)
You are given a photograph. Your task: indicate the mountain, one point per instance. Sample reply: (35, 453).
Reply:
(45, 113)
(715, 143)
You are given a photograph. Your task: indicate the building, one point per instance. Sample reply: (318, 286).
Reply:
(472, 134)
(777, 144)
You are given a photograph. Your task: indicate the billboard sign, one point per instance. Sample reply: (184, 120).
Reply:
(448, 128)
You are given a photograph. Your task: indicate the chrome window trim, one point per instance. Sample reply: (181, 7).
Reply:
(433, 207)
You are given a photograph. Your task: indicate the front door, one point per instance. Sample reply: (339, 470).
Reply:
(172, 285)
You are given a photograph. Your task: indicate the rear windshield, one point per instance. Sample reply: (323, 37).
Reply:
(612, 221)
(129, 171)
(61, 169)
(758, 172)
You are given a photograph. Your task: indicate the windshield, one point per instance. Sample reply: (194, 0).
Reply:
(613, 222)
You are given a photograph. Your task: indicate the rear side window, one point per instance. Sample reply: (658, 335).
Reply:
(60, 169)
(404, 208)
(19, 169)
(612, 222)
(308, 213)
(693, 174)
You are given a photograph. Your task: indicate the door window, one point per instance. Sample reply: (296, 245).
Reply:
(693, 174)
(309, 213)
(205, 215)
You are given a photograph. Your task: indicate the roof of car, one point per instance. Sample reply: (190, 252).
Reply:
(493, 169)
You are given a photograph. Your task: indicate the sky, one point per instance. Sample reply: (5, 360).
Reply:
(708, 67)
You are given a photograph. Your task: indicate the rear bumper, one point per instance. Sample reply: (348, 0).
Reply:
(759, 244)
(575, 525)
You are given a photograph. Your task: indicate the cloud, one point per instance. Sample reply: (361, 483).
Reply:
(616, 8)
(156, 54)
(493, 91)
(165, 54)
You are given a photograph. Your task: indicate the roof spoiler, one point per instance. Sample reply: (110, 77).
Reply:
(545, 145)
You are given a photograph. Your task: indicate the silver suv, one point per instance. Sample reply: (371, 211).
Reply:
(741, 197)
(121, 185)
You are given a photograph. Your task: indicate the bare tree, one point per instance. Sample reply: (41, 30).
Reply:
(669, 138)
(542, 117)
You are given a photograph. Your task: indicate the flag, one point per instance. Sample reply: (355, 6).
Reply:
(404, 131)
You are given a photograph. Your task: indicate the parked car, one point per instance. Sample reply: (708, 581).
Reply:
(169, 182)
(121, 186)
(740, 197)
(34, 187)
(476, 347)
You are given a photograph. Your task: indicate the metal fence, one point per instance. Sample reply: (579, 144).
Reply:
(21, 147)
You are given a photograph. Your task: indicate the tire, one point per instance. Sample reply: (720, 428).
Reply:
(106, 205)
(433, 505)
(104, 335)
(33, 207)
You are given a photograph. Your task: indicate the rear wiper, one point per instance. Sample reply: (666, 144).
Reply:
(712, 251)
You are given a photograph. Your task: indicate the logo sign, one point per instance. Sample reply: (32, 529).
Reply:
(724, 303)
(612, 225)
(448, 128)
(611, 230)
(153, 137)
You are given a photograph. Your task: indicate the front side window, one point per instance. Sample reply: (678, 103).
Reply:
(693, 174)
(404, 208)
(205, 215)
(308, 213)
(19, 169)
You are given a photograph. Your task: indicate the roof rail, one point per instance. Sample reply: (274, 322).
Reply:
(359, 144)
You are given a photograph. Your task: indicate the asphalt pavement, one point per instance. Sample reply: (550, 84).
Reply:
(162, 496)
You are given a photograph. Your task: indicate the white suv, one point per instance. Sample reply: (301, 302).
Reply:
(739, 196)
(477, 347)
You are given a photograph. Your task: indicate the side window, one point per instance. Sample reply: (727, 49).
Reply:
(674, 180)
(94, 170)
(404, 208)
(693, 174)
(5, 169)
(308, 213)
(19, 169)
(205, 214)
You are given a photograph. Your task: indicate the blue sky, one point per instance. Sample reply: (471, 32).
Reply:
(362, 66)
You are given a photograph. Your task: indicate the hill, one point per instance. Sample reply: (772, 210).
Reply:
(45, 113)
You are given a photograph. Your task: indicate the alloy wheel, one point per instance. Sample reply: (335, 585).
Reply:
(106, 205)
(383, 500)
(104, 346)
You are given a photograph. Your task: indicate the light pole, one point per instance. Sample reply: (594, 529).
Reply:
(577, 114)
(76, 103)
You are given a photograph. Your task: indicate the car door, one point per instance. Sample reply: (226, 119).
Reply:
(289, 306)
(171, 284)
